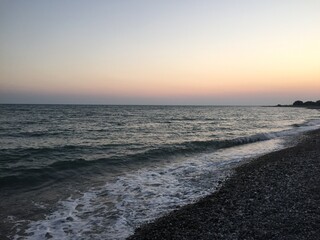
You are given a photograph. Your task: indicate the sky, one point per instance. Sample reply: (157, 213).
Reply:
(199, 52)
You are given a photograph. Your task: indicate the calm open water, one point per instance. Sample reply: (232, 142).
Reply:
(98, 172)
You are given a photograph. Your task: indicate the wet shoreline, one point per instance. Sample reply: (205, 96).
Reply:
(276, 196)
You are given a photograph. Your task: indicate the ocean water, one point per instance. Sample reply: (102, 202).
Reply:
(98, 172)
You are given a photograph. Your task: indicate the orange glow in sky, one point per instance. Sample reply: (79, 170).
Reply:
(199, 52)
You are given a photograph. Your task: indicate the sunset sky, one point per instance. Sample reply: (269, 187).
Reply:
(247, 52)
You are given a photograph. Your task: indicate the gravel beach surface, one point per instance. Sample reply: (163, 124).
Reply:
(276, 196)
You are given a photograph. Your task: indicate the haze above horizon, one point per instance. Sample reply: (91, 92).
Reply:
(159, 52)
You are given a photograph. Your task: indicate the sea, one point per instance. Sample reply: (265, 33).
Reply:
(100, 171)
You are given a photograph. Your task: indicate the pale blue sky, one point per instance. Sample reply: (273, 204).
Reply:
(159, 52)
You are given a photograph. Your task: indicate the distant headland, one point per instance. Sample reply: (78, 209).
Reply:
(299, 103)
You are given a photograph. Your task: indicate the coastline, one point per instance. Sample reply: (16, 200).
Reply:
(276, 196)
(291, 106)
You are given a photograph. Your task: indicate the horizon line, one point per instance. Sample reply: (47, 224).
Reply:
(113, 104)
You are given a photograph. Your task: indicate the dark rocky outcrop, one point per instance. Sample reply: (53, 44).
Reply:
(298, 103)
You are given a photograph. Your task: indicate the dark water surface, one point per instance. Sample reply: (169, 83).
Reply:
(92, 172)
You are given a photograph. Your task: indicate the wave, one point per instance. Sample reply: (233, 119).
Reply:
(34, 134)
(309, 123)
(19, 176)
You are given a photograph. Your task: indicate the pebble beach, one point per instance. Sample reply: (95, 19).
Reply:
(276, 196)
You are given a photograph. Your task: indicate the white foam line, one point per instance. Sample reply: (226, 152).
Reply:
(114, 210)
